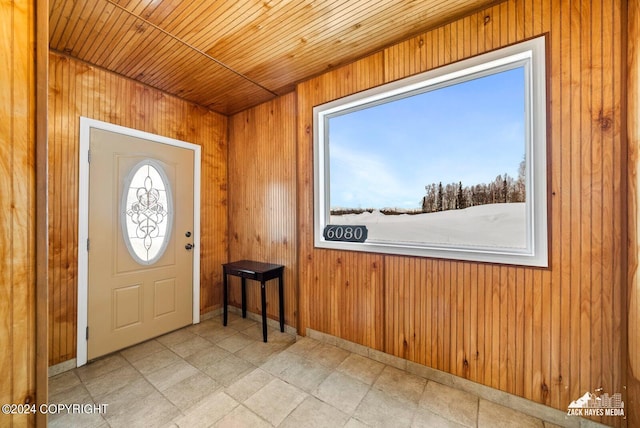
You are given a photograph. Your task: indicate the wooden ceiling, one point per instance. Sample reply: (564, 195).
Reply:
(229, 55)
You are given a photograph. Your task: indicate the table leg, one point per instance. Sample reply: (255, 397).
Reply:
(225, 298)
(264, 311)
(281, 295)
(244, 298)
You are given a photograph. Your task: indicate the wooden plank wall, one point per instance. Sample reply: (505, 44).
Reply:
(633, 134)
(341, 293)
(18, 208)
(77, 89)
(548, 335)
(262, 199)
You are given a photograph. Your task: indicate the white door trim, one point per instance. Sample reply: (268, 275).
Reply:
(83, 220)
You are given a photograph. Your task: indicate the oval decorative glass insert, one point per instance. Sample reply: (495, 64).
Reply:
(147, 212)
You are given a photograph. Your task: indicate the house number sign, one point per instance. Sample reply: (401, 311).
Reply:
(345, 233)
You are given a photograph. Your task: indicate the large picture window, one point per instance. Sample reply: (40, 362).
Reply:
(450, 163)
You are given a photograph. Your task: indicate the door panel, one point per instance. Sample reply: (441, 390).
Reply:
(127, 304)
(165, 297)
(131, 300)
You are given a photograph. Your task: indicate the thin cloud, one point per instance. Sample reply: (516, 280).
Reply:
(365, 180)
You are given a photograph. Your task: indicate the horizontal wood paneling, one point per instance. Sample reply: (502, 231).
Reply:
(18, 334)
(548, 335)
(77, 89)
(262, 199)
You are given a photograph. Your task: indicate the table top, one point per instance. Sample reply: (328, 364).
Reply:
(251, 267)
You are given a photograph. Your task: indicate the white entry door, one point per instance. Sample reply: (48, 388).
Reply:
(141, 232)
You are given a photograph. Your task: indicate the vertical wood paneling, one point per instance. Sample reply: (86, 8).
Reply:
(18, 208)
(633, 128)
(322, 280)
(548, 335)
(42, 211)
(558, 259)
(262, 200)
(76, 89)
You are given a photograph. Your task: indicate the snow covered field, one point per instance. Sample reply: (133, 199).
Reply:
(499, 225)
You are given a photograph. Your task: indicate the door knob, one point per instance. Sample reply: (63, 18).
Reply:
(188, 247)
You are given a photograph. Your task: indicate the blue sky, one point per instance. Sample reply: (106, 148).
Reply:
(470, 132)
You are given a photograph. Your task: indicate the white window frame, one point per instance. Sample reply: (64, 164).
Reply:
(531, 55)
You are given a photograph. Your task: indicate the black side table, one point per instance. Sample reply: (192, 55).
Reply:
(257, 271)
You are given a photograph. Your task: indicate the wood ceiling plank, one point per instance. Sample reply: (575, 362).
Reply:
(171, 72)
(113, 36)
(253, 55)
(74, 17)
(168, 60)
(59, 19)
(138, 36)
(285, 64)
(104, 30)
(151, 47)
(221, 91)
(157, 12)
(172, 18)
(83, 31)
(206, 32)
(309, 59)
(140, 7)
(295, 27)
(192, 19)
(273, 43)
(56, 23)
(106, 39)
(91, 34)
(349, 38)
(161, 35)
(235, 15)
(312, 25)
(199, 75)
(132, 32)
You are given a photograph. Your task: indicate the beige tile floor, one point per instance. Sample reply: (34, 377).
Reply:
(207, 375)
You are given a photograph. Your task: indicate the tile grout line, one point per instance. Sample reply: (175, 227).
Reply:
(329, 360)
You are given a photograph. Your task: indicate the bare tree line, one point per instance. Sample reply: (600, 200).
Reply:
(454, 196)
